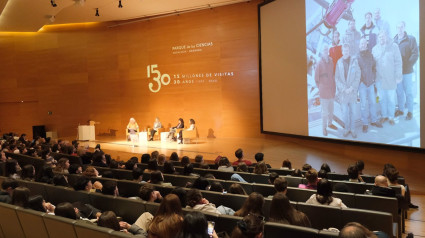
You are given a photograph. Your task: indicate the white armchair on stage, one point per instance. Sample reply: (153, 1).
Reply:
(87, 132)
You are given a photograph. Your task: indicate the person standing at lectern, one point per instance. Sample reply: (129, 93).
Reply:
(156, 125)
(132, 128)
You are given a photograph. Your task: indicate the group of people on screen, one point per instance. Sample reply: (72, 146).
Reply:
(175, 133)
(371, 65)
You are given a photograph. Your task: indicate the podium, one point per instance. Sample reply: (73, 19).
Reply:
(86, 132)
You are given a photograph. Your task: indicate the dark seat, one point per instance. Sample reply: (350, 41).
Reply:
(57, 194)
(32, 223)
(9, 221)
(272, 229)
(84, 230)
(316, 214)
(299, 194)
(282, 171)
(373, 220)
(59, 226)
(130, 209)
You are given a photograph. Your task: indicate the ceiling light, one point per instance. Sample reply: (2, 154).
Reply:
(53, 3)
(52, 19)
(97, 12)
(119, 4)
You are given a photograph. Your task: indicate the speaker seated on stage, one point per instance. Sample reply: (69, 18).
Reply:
(175, 132)
(157, 127)
(132, 128)
(190, 133)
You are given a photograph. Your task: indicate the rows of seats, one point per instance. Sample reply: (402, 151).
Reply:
(130, 209)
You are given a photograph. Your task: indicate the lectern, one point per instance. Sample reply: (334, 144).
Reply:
(86, 132)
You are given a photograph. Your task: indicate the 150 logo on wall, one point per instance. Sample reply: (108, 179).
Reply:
(159, 79)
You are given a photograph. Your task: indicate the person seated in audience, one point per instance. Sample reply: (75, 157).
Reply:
(282, 211)
(91, 172)
(201, 183)
(62, 166)
(322, 174)
(237, 177)
(110, 188)
(7, 187)
(195, 224)
(85, 155)
(38, 203)
(45, 175)
(197, 202)
(109, 219)
(357, 230)
(325, 167)
(130, 165)
(252, 205)
(199, 159)
(306, 167)
(240, 158)
(152, 166)
(216, 187)
(392, 176)
(145, 158)
(204, 166)
(251, 226)
(353, 174)
(168, 219)
(28, 172)
(174, 157)
(236, 189)
(67, 210)
(184, 161)
(224, 165)
(20, 197)
(169, 168)
(259, 157)
(158, 178)
(272, 177)
(242, 167)
(297, 173)
(99, 160)
(286, 164)
(3, 157)
(312, 179)
(181, 193)
(154, 155)
(381, 187)
(360, 166)
(281, 185)
(12, 169)
(161, 160)
(60, 180)
(75, 169)
(324, 195)
(148, 193)
(188, 171)
(137, 175)
(83, 184)
(261, 168)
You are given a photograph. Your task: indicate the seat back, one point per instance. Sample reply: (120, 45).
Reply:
(84, 230)
(264, 189)
(299, 194)
(57, 194)
(272, 229)
(32, 223)
(9, 221)
(282, 171)
(316, 214)
(128, 188)
(129, 209)
(347, 198)
(373, 220)
(59, 226)
(378, 203)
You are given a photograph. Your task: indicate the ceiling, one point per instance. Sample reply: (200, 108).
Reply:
(32, 15)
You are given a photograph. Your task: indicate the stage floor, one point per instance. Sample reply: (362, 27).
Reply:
(298, 151)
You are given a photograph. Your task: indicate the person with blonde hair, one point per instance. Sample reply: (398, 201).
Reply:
(132, 129)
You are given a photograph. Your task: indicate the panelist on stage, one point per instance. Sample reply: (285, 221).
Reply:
(132, 128)
(173, 130)
(156, 125)
(191, 128)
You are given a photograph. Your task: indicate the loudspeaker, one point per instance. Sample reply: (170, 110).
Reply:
(38, 131)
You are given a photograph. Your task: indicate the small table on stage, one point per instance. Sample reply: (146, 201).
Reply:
(164, 136)
(143, 136)
(86, 133)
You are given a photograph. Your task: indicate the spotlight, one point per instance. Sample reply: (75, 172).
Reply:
(97, 12)
(52, 19)
(53, 3)
(119, 4)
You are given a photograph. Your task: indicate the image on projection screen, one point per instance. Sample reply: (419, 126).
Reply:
(363, 70)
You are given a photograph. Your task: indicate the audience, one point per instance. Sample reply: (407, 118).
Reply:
(286, 164)
(224, 165)
(195, 225)
(28, 172)
(236, 189)
(174, 157)
(353, 174)
(252, 205)
(7, 188)
(109, 219)
(240, 158)
(312, 179)
(259, 157)
(184, 161)
(62, 166)
(251, 226)
(148, 193)
(169, 168)
(360, 166)
(197, 202)
(381, 187)
(168, 219)
(282, 211)
(324, 195)
(261, 168)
